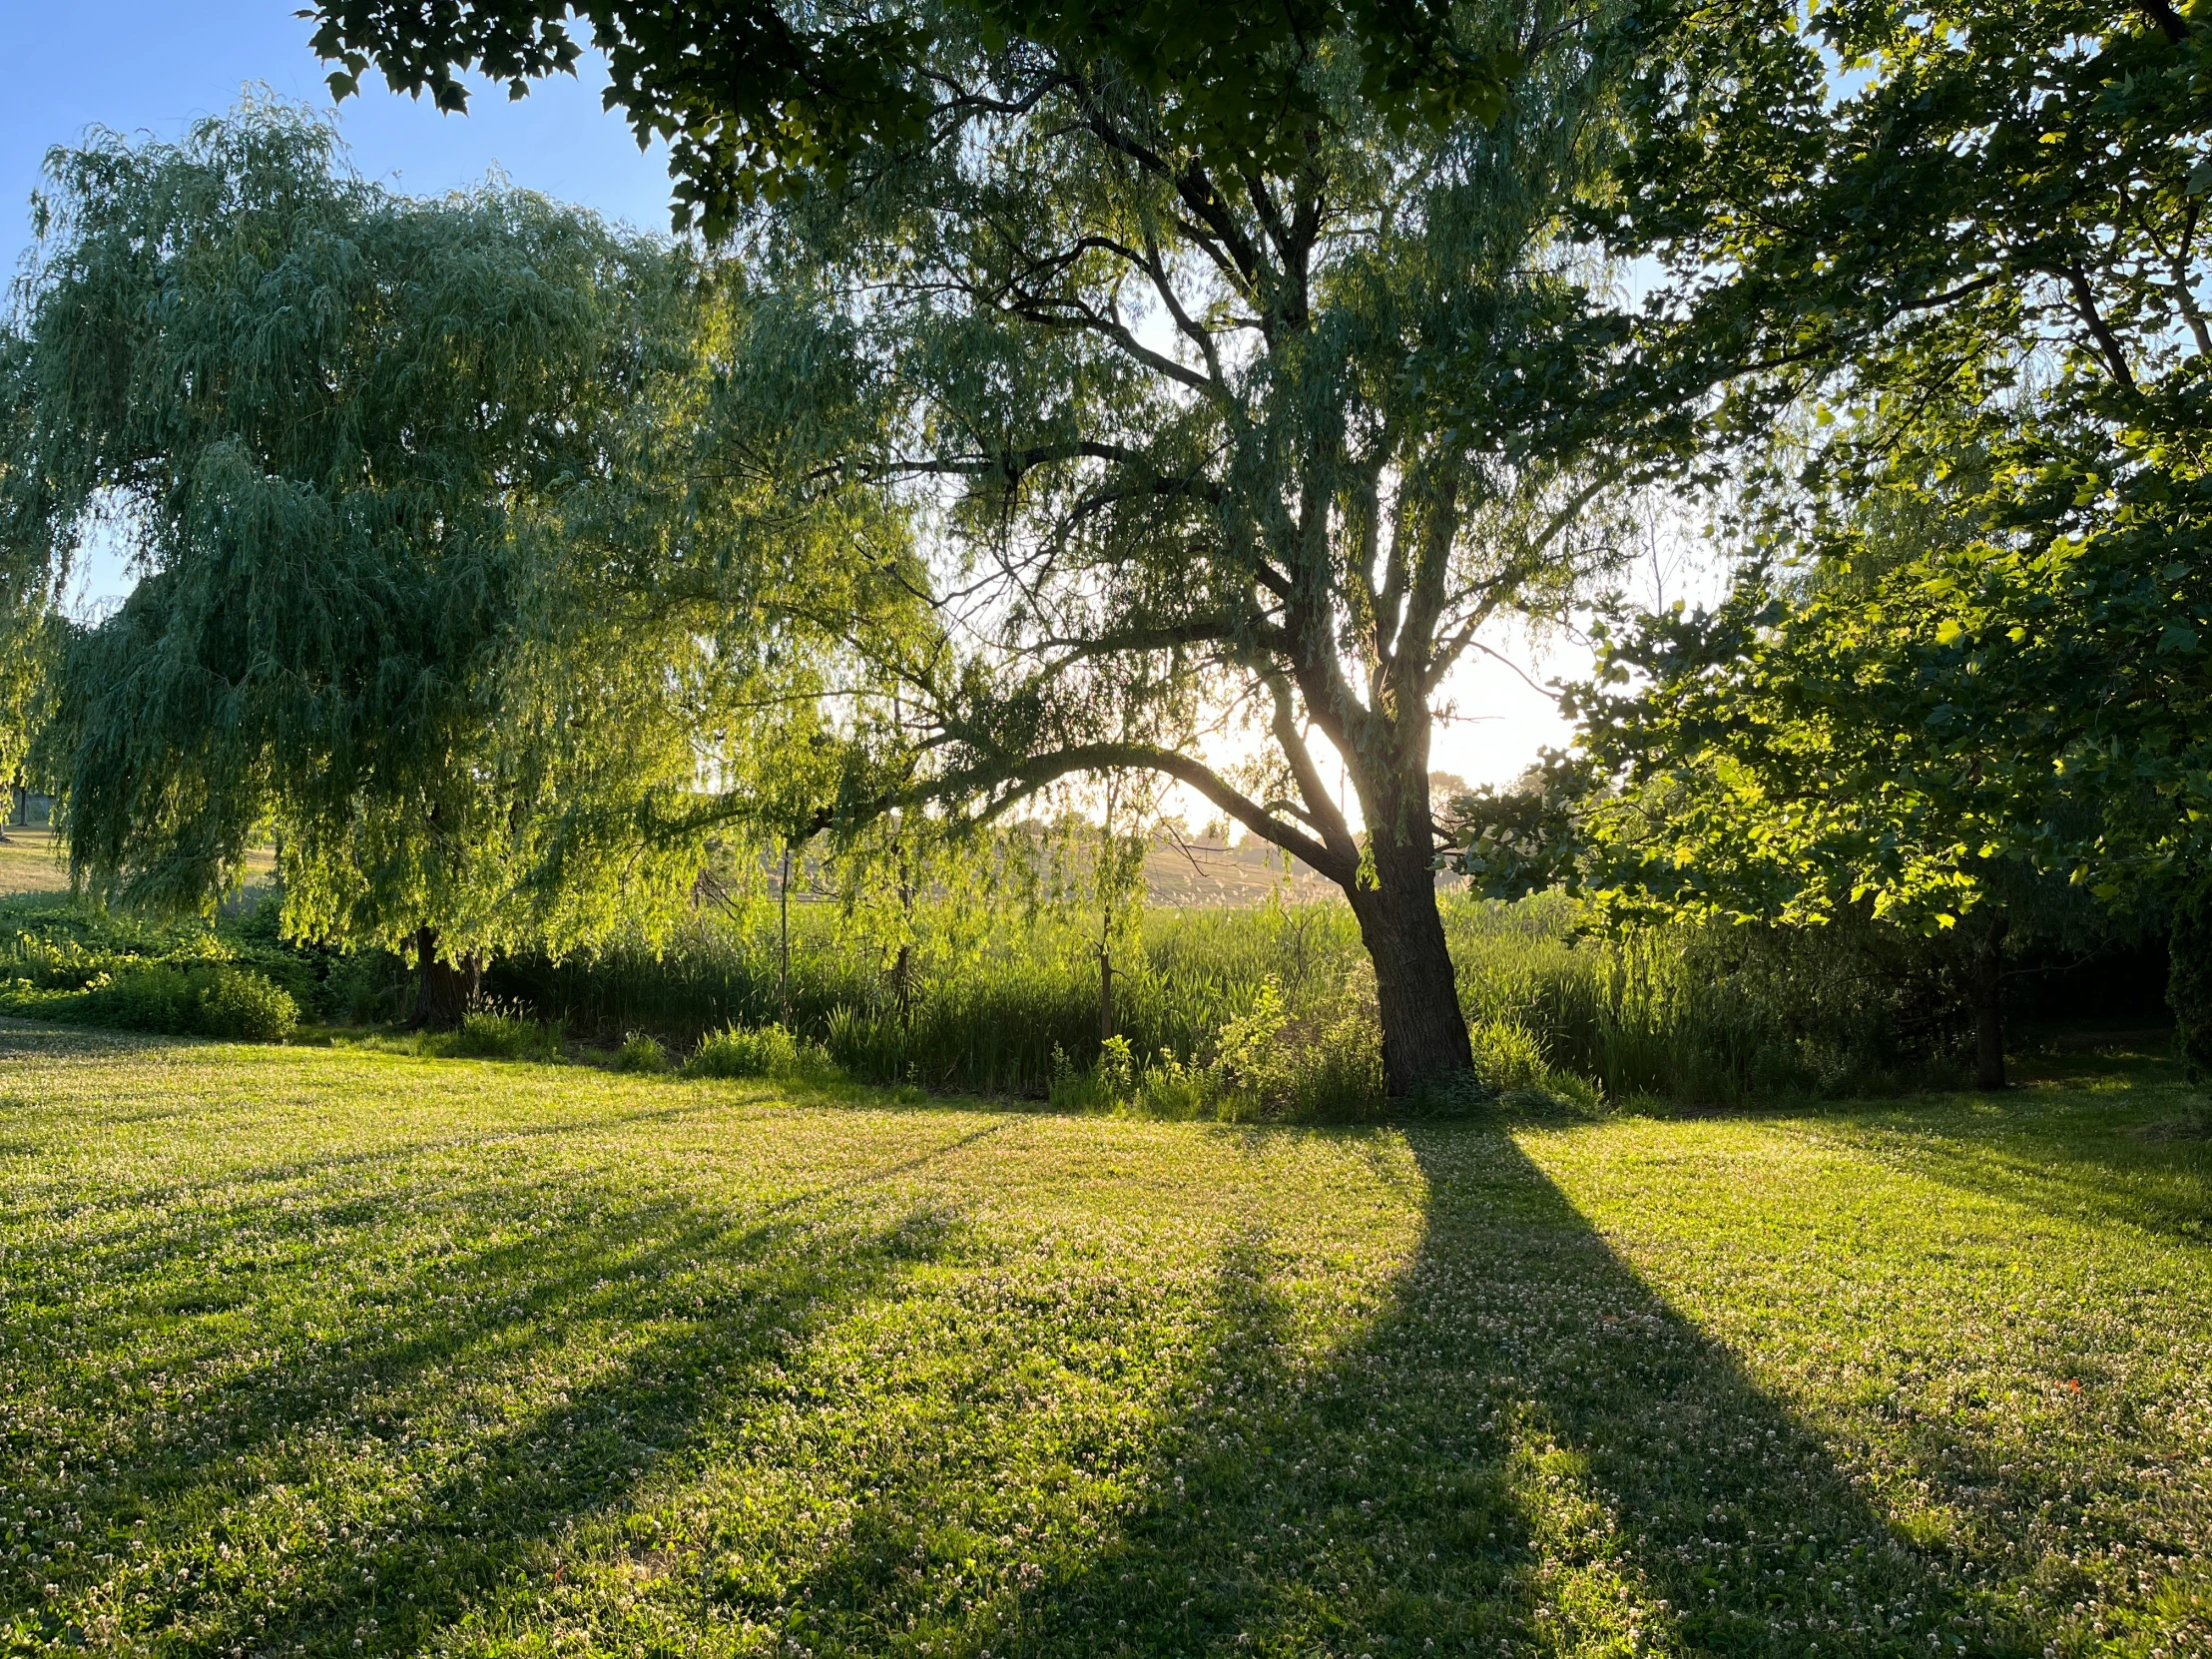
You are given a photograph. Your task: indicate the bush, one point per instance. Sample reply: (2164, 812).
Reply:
(368, 987)
(53, 944)
(756, 1051)
(641, 1051)
(1322, 1063)
(1249, 1053)
(497, 1034)
(238, 1004)
(2189, 986)
(148, 998)
(210, 999)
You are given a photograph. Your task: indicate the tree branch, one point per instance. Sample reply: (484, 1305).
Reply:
(2085, 303)
(1322, 812)
(1035, 772)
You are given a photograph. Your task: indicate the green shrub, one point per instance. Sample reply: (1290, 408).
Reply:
(1250, 1054)
(640, 1051)
(150, 996)
(367, 987)
(139, 975)
(1264, 1064)
(497, 1034)
(238, 1004)
(211, 1000)
(741, 1051)
(2189, 985)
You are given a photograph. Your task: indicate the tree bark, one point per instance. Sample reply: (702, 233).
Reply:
(783, 937)
(1987, 994)
(903, 971)
(1425, 1031)
(1106, 951)
(444, 993)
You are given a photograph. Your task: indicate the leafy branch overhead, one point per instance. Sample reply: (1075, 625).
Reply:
(754, 98)
(1964, 665)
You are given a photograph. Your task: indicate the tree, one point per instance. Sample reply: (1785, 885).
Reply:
(1905, 201)
(753, 95)
(1785, 762)
(1964, 245)
(384, 464)
(32, 632)
(1277, 441)
(32, 638)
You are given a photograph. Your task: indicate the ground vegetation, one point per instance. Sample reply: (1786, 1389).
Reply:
(315, 1347)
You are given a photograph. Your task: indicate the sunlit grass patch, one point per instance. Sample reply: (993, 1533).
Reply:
(313, 1348)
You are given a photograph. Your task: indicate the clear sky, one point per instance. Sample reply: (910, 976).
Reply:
(155, 65)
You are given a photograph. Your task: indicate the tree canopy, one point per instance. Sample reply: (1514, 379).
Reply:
(1969, 648)
(1204, 453)
(757, 95)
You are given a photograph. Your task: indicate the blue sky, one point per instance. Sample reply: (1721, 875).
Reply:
(155, 66)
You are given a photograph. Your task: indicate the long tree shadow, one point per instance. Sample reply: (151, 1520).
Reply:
(364, 1502)
(1528, 1451)
(1519, 1450)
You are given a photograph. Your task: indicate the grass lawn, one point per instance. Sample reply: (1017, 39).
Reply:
(28, 863)
(34, 859)
(334, 1352)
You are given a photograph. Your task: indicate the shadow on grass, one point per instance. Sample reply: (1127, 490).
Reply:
(399, 1406)
(1523, 1450)
(2137, 1160)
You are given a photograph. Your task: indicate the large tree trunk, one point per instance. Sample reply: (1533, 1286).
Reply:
(1424, 1032)
(444, 993)
(1986, 990)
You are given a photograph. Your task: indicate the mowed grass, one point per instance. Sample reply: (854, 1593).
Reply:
(34, 859)
(29, 861)
(345, 1353)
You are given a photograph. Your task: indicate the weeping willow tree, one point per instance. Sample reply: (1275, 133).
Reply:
(386, 468)
(1229, 445)
(32, 631)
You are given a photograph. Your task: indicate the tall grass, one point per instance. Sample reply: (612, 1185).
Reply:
(1268, 1009)
(1701, 1014)
(990, 1017)
(1715, 1014)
